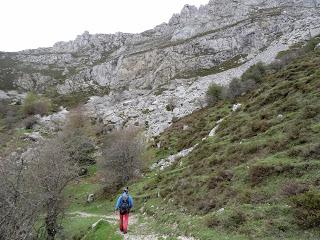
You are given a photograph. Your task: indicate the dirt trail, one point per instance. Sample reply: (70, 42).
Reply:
(136, 230)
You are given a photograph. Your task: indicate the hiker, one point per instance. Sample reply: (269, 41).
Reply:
(124, 204)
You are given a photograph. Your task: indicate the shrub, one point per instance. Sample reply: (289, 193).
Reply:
(259, 126)
(307, 209)
(239, 87)
(34, 104)
(222, 176)
(311, 111)
(235, 88)
(255, 73)
(293, 188)
(212, 222)
(248, 86)
(214, 94)
(29, 122)
(170, 107)
(120, 161)
(311, 45)
(236, 219)
(258, 173)
(311, 151)
(285, 59)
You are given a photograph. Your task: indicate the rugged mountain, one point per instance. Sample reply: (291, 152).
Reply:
(162, 74)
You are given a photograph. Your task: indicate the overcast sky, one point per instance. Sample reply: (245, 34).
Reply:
(28, 24)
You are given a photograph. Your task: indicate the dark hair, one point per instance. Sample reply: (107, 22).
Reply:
(126, 189)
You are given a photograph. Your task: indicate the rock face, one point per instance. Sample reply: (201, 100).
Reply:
(171, 64)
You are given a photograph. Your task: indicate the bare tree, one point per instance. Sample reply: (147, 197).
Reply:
(20, 200)
(52, 171)
(120, 160)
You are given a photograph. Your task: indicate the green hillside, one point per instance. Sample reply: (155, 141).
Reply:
(259, 176)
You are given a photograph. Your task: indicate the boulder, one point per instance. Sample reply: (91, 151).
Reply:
(90, 198)
(236, 107)
(34, 136)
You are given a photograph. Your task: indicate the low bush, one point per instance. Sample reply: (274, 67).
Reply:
(307, 209)
(29, 122)
(293, 188)
(235, 88)
(234, 220)
(311, 151)
(259, 173)
(170, 107)
(311, 111)
(238, 87)
(35, 104)
(214, 94)
(222, 176)
(212, 222)
(255, 73)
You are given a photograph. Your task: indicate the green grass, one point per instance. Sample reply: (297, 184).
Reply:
(103, 231)
(75, 227)
(247, 166)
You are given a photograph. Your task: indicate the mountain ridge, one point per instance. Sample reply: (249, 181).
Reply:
(167, 63)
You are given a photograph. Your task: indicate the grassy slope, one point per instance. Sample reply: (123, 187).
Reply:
(248, 167)
(78, 227)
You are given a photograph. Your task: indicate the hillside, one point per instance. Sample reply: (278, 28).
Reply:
(134, 76)
(223, 105)
(258, 176)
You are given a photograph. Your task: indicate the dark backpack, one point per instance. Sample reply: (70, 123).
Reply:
(124, 207)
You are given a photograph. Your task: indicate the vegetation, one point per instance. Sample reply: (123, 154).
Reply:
(214, 94)
(257, 178)
(35, 104)
(121, 157)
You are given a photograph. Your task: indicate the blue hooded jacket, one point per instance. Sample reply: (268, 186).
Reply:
(119, 201)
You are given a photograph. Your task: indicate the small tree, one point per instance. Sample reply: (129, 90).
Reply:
(120, 160)
(255, 73)
(35, 104)
(76, 137)
(214, 94)
(52, 170)
(235, 88)
(20, 200)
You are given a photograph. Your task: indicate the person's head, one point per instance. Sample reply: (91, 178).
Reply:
(126, 190)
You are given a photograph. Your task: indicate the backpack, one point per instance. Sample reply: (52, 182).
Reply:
(124, 207)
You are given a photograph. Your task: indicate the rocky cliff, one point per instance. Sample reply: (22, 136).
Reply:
(162, 74)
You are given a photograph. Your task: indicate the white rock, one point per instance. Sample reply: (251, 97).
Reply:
(93, 226)
(3, 95)
(34, 136)
(90, 198)
(236, 107)
(166, 162)
(221, 210)
(213, 131)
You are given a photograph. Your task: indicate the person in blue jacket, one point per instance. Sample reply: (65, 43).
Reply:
(124, 205)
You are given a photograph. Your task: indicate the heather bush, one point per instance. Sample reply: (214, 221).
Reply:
(293, 188)
(214, 94)
(29, 122)
(255, 73)
(35, 104)
(307, 209)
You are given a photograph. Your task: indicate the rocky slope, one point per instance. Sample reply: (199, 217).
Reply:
(162, 74)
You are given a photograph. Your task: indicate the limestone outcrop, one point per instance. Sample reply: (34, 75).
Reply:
(171, 64)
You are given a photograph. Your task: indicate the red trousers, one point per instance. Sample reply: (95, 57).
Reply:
(124, 218)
